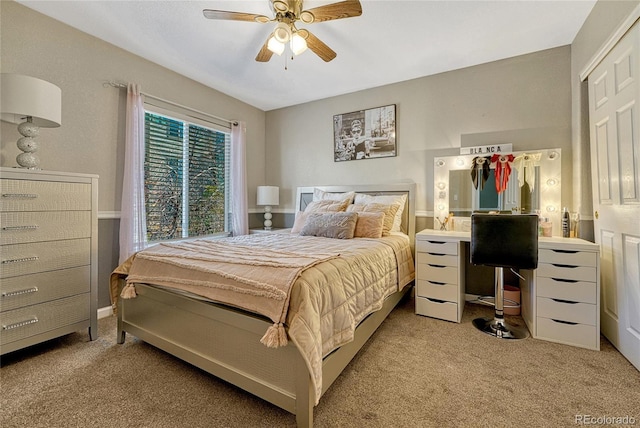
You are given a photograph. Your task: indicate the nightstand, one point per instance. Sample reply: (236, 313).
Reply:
(273, 230)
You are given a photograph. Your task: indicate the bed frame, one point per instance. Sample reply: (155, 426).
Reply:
(225, 342)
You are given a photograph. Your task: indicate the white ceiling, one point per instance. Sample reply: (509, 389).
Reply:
(391, 41)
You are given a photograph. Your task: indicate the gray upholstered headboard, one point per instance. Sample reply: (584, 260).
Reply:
(304, 195)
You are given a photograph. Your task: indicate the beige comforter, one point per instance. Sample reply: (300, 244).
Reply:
(326, 301)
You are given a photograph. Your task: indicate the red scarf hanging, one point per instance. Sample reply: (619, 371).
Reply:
(502, 170)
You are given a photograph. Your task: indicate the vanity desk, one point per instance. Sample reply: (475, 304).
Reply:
(560, 300)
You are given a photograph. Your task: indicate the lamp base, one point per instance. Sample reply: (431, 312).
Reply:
(267, 218)
(28, 145)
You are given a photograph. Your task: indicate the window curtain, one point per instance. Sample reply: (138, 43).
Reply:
(133, 226)
(239, 211)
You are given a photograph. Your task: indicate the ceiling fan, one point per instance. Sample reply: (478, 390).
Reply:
(287, 13)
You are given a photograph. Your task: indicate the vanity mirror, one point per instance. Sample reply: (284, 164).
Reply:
(467, 183)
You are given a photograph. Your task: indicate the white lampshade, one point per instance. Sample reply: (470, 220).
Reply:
(298, 44)
(275, 46)
(268, 195)
(282, 33)
(26, 96)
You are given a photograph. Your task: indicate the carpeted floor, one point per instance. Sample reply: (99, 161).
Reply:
(414, 372)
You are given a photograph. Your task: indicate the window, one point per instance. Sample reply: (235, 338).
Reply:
(186, 173)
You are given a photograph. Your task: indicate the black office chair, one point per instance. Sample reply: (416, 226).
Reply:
(503, 241)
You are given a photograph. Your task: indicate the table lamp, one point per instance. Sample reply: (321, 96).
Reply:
(33, 103)
(268, 196)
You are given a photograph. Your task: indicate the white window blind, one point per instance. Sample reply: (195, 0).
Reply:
(186, 176)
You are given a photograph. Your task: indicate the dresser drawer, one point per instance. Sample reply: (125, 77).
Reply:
(437, 273)
(437, 309)
(583, 335)
(583, 313)
(439, 291)
(25, 259)
(437, 247)
(34, 195)
(575, 291)
(22, 227)
(437, 259)
(26, 290)
(31, 320)
(567, 257)
(560, 271)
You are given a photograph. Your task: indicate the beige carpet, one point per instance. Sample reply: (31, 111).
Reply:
(414, 372)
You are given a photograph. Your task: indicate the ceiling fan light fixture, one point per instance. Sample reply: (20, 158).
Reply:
(280, 6)
(282, 33)
(307, 17)
(275, 46)
(298, 44)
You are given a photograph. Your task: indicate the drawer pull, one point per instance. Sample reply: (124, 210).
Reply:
(436, 254)
(565, 301)
(437, 242)
(573, 281)
(19, 292)
(24, 259)
(564, 266)
(436, 300)
(26, 227)
(564, 322)
(436, 266)
(565, 251)
(20, 324)
(20, 195)
(436, 283)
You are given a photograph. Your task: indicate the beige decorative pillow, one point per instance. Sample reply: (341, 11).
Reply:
(399, 200)
(321, 195)
(326, 206)
(388, 210)
(369, 225)
(340, 225)
(301, 218)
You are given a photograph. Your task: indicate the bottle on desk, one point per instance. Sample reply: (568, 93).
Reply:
(566, 223)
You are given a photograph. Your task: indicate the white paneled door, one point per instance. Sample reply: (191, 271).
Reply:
(614, 102)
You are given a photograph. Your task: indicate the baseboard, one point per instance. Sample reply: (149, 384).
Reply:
(107, 311)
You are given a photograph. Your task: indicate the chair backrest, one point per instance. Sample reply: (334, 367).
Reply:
(507, 240)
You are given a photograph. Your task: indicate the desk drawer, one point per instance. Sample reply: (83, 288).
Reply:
(437, 273)
(583, 313)
(437, 259)
(567, 257)
(26, 290)
(438, 247)
(575, 291)
(585, 336)
(31, 320)
(579, 273)
(39, 226)
(437, 309)
(25, 259)
(439, 291)
(34, 195)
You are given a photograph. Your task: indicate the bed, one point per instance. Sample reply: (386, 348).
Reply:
(246, 346)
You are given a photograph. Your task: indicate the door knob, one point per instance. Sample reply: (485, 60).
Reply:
(597, 215)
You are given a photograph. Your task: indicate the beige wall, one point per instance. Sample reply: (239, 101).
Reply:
(524, 100)
(91, 138)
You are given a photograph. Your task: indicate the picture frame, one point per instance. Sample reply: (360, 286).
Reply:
(365, 134)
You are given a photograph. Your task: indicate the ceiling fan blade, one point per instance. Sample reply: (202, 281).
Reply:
(265, 54)
(317, 46)
(235, 16)
(340, 10)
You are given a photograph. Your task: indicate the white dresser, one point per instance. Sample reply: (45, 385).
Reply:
(560, 300)
(48, 255)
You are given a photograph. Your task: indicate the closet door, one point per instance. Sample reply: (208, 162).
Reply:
(614, 98)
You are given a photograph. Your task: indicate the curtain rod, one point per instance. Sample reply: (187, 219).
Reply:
(124, 86)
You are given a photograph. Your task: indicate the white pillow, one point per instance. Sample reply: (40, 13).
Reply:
(321, 195)
(399, 200)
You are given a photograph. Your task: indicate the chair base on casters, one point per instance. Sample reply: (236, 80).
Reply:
(499, 328)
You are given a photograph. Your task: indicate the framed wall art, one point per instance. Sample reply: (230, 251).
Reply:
(365, 134)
